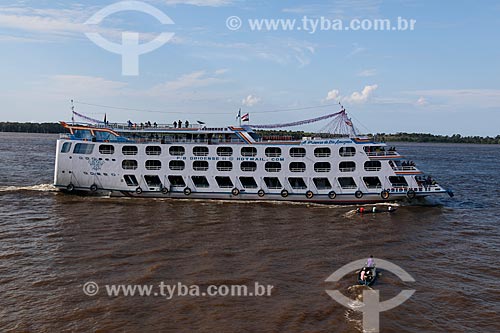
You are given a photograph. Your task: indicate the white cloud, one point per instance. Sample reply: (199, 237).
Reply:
(422, 101)
(333, 95)
(363, 96)
(250, 100)
(367, 73)
(200, 3)
(278, 50)
(77, 86)
(355, 97)
(488, 98)
(188, 81)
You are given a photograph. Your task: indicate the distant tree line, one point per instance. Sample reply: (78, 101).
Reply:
(426, 137)
(31, 127)
(398, 137)
(295, 135)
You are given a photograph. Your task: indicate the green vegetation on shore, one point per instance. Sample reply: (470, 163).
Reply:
(53, 128)
(56, 128)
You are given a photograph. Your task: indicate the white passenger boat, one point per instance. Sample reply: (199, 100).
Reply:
(233, 163)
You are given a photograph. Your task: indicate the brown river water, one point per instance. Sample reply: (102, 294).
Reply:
(51, 244)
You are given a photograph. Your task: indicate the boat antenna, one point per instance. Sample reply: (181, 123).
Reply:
(72, 112)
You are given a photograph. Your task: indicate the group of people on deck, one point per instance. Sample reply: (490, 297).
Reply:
(144, 125)
(179, 124)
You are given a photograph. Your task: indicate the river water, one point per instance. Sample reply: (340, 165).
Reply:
(51, 244)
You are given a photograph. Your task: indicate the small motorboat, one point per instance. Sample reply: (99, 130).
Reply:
(367, 276)
(375, 209)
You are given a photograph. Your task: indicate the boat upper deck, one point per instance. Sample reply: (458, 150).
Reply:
(197, 133)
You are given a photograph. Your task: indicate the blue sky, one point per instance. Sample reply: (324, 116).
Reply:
(442, 77)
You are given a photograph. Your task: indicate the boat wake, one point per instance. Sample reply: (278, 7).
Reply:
(35, 188)
(352, 314)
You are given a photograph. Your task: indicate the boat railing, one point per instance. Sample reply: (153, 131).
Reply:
(347, 169)
(404, 168)
(273, 169)
(373, 168)
(381, 153)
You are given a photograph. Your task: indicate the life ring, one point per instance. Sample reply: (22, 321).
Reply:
(358, 194)
(261, 193)
(138, 190)
(332, 195)
(70, 187)
(235, 191)
(284, 193)
(411, 194)
(93, 188)
(164, 190)
(309, 194)
(385, 194)
(187, 191)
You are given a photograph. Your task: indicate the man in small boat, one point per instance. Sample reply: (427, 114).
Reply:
(362, 275)
(370, 263)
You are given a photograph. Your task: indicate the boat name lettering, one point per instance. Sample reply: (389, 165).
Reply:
(324, 142)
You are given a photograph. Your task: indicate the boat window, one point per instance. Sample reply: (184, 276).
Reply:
(372, 182)
(177, 151)
(66, 147)
(224, 182)
(297, 167)
(248, 151)
(248, 166)
(322, 183)
(153, 165)
(248, 182)
(373, 166)
(297, 152)
(176, 181)
(347, 151)
(153, 150)
(176, 165)
(104, 136)
(224, 166)
(130, 180)
(297, 183)
(200, 181)
(82, 134)
(200, 165)
(200, 151)
(273, 152)
(83, 148)
(129, 164)
(273, 166)
(272, 183)
(347, 182)
(398, 181)
(347, 166)
(224, 151)
(107, 149)
(129, 150)
(153, 181)
(322, 152)
(322, 167)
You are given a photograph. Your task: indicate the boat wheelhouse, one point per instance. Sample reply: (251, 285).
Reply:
(234, 162)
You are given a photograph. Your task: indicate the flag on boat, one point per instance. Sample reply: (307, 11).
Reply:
(348, 122)
(245, 117)
(238, 116)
